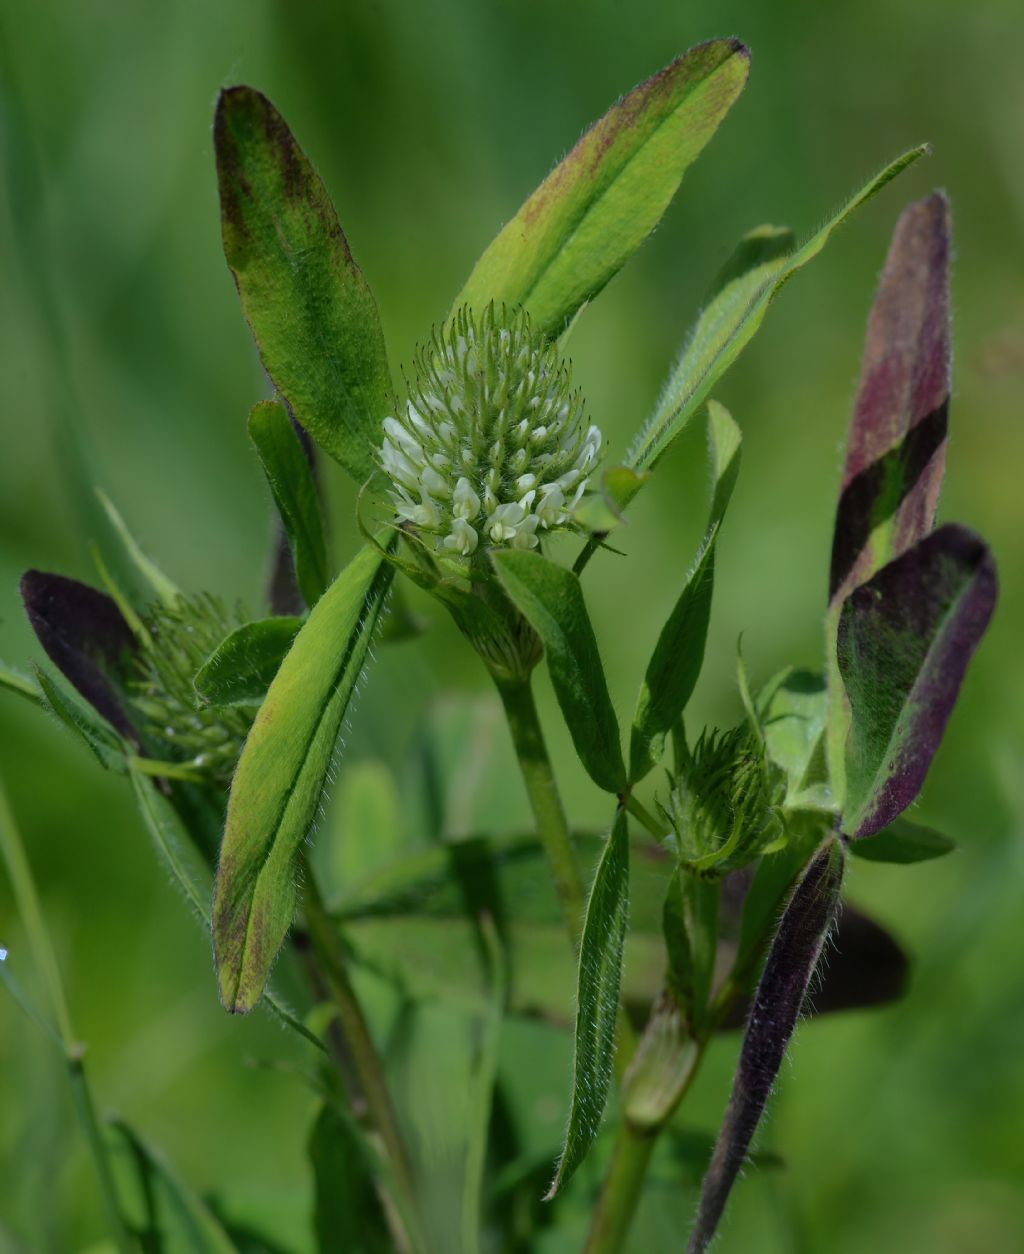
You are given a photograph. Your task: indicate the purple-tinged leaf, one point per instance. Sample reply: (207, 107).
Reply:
(603, 200)
(85, 636)
(896, 447)
(788, 970)
(905, 638)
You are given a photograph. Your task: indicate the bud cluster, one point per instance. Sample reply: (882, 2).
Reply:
(493, 447)
(725, 807)
(181, 639)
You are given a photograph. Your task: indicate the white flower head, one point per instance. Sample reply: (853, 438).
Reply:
(494, 445)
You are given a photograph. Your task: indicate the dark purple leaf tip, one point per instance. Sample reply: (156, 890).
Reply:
(85, 636)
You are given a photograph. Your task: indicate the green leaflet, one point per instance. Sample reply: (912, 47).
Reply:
(282, 774)
(173, 847)
(679, 654)
(290, 477)
(792, 712)
(597, 1000)
(733, 312)
(311, 311)
(149, 582)
(244, 664)
(17, 681)
(903, 842)
(552, 600)
(98, 735)
(175, 1215)
(347, 1211)
(602, 201)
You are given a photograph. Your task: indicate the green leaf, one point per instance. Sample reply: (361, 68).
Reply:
(282, 776)
(551, 598)
(903, 842)
(17, 681)
(792, 712)
(597, 1001)
(172, 844)
(310, 309)
(690, 923)
(904, 642)
(243, 665)
(176, 1217)
(368, 832)
(762, 263)
(149, 581)
(347, 1212)
(608, 194)
(97, 734)
(675, 665)
(293, 487)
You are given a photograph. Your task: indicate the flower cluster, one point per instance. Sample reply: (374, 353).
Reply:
(493, 447)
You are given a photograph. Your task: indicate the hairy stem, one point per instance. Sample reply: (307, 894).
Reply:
(528, 739)
(359, 1047)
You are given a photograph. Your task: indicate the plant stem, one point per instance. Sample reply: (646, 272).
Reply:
(528, 739)
(621, 1191)
(29, 910)
(356, 1033)
(645, 817)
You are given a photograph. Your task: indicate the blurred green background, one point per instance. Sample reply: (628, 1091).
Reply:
(123, 347)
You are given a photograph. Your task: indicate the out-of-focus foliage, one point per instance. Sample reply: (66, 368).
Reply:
(125, 364)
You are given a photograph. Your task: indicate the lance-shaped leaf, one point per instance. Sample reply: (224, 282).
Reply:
(732, 314)
(679, 654)
(86, 637)
(347, 1210)
(792, 711)
(291, 481)
(903, 842)
(282, 774)
(176, 1217)
(84, 722)
(602, 201)
(172, 843)
(310, 309)
(552, 600)
(905, 639)
(149, 583)
(790, 965)
(597, 1000)
(896, 447)
(244, 664)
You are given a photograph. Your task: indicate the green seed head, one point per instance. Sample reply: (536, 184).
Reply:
(494, 446)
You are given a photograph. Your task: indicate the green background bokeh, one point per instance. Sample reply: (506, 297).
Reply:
(430, 122)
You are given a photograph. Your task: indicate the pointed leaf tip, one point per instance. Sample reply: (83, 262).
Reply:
(896, 447)
(85, 636)
(603, 200)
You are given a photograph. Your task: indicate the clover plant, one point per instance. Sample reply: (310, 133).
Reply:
(228, 726)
